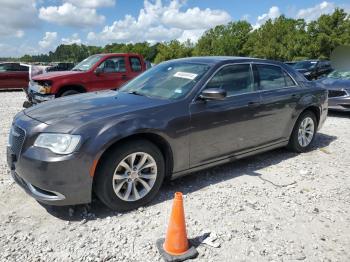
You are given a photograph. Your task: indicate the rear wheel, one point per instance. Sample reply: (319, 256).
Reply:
(130, 176)
(303, 133)
(69, 93)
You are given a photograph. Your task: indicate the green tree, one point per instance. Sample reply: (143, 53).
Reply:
(328, 32)
(224, 40)
(279, 39)
(173, 49)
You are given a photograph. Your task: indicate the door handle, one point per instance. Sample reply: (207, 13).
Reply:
(295, 95)
(124, 77)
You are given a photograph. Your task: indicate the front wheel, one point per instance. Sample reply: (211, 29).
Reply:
(303, 133)
(130, 176)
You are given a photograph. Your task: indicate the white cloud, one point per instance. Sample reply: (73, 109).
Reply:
(10, 50)
(70, 15)
(92, 3)
(194, 18)
(316, 11)
(158, 22)
(48, 41)
(16, 16)
(74, 39)
(273, 13)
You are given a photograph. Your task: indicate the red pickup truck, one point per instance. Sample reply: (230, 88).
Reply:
(97, 72)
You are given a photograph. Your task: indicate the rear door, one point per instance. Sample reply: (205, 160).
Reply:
(279, 97)
(114, 73)
(136, 66)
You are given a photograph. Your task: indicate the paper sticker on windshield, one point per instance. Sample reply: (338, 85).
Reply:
(185, 75)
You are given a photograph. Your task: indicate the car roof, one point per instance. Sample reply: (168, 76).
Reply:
(120, 54)
(211, 60)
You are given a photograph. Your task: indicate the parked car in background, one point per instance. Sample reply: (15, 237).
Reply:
(178, 117)
(338, 85)
(95, 73)
(13, 76)
(60, 67)
(313, 69)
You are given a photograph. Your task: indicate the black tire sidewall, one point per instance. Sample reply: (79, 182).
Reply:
(293, 142)
(103, 183)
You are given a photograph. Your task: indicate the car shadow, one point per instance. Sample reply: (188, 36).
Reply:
(339, 114)
(10, 90)
(194, 182)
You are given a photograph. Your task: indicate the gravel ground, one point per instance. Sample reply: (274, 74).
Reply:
(277, 206)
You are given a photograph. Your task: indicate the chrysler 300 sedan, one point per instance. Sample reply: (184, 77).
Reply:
(178, 117)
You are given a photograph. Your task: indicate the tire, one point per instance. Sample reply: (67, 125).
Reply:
(297, 145)
(69, 93)
(106, 185)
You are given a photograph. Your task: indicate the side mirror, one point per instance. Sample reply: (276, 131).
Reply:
(98, 71)
(213, 94)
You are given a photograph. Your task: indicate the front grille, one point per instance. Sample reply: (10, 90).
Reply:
(16, 140)
(336, 93)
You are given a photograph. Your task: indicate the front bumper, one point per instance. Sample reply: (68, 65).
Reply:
(53, 181)
(50, 178)
(35, 97)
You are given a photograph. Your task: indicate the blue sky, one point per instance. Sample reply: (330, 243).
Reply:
(38, 26)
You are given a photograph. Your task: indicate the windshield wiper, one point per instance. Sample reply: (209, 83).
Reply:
(76, 69)
(134, 92)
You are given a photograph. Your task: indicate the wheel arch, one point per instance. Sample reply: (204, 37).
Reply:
(64, 88)
(314, 109)
(154, 138)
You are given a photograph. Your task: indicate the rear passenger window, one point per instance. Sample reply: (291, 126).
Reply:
(269, 77)
(135, 64)
(235, 79)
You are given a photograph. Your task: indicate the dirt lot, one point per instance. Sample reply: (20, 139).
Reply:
(277, 206)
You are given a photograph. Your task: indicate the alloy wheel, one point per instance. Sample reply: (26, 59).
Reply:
(306, 132)
(134, 176)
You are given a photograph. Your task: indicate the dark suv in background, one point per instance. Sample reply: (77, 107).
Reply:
(313, 69)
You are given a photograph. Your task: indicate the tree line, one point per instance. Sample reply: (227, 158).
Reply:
(283, 39)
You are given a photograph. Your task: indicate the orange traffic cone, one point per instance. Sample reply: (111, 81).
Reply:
(176, 246)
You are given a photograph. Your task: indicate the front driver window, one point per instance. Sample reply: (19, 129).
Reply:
(113, 65)
(235, 79)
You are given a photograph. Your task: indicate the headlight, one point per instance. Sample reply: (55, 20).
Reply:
(41, 87)
(58, 143)
(44, 89)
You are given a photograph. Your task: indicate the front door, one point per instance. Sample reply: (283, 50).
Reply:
(112, 75)
(222, 128)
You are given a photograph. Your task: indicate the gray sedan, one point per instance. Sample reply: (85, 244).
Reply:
(338, 85)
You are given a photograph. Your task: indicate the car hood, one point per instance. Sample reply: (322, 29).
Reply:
(53, 75)
(79, 110)
(332, 83)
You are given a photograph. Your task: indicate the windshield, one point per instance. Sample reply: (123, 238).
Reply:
(339, 75)
(305, 65)
(171, 80)
(87, 63)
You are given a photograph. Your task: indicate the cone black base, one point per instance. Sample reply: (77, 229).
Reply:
(191, 253)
